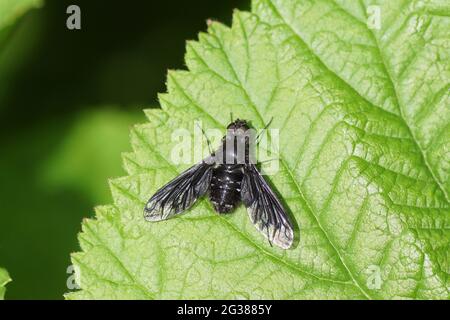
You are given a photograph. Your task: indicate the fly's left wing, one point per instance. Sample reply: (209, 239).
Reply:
(264, 208)
(180, 193)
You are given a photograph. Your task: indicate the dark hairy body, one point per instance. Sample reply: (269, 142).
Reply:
(227, 174)
(225, 192)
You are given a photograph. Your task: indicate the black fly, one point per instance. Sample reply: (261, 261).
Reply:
(228, 176)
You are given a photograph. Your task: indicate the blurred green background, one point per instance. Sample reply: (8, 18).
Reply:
(67, 101)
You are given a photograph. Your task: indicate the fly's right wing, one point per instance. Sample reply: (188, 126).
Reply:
(180, 193)
(264, 208)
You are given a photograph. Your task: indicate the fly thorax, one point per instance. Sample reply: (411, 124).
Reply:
(238, 147)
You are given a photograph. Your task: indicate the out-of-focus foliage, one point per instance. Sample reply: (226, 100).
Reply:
(4, 279)
(47, 200)
(54, 84)
(87, 156)
(12, 9)
(16, 40)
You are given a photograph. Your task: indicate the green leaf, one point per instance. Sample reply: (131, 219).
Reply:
(15, 40)
(4, 279)
(10, 10)
(364, 161)
(87, 157)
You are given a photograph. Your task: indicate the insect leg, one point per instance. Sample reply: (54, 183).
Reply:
(207, 139)
(268, 160)
(265, 127)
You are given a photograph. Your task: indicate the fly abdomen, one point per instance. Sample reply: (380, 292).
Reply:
(225, 190)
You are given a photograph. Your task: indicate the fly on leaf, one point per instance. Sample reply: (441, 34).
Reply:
(229, 176)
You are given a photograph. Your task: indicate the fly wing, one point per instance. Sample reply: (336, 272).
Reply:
(265, 210)
(180, 193)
